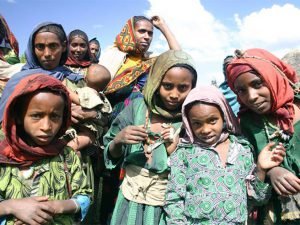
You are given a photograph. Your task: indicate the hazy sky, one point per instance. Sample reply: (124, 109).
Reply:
(209, 29)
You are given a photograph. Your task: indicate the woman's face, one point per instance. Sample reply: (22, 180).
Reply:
(78, 48)
(143, 31)
(94, 48)
(174, 87)
(48, 50)
(253, 93)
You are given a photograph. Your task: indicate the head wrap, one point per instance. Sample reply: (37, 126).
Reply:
(161, 65)
(126, 42)
(277, 76)
(210, 95)
(14, 149)
(33, 66)
(95, 41)
(8, 40)
(86, 61)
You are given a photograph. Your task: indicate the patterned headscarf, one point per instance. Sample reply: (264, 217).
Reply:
(278, 77)
(126, 42)
(14, 149)
(211, 95)
(7, 37)
(161, 65)
(87, 60)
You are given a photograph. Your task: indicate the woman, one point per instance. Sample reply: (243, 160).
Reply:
(129, 62)
(263, 84)
(95, 49)
(46, 53)
(80, 57)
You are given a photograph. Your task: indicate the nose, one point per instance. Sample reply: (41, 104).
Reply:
(174, 94)
(46, 124)
(146, 36)
(78, 49)
(205, 129)
(47, 52)
(252, 95)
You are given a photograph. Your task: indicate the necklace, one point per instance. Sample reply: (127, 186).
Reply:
(276, 134)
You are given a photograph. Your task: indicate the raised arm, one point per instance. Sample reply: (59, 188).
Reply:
(160, 24)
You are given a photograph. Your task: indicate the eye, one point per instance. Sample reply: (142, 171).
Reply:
(167, 86)
(56, 117)
(240, 91)
(53, 46)
(40, 47)
(83, 45)
(183, 88)
(257, 84)
(213, 121)
(35, 116)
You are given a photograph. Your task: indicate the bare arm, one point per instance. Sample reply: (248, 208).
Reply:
(160, 24)
(33, 210)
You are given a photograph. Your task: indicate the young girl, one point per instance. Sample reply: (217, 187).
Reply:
(41, 180)
(142, 136)
(263, 85)
(212, 167)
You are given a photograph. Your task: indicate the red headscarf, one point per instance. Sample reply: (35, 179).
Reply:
(9, 36)
(278, 77)
(14, 150)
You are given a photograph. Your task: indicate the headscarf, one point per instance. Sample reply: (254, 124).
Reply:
(8, 40)
(86, 61)
(210, 95)
(33, 66)
(14, 149)
(95, 41)
(278, 77)
(161, 65)
(126, 42)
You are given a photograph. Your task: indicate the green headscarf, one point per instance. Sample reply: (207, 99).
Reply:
(161, 65)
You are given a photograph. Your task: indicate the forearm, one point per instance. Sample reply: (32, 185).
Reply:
(64, 206)
(260, 173)
(172, 41)
(115, 149)
(6, 207)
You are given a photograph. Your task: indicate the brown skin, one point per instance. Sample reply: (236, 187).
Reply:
(256, 96)
(48, 50)
(174, 88)
(78, 48)
(42, 119)
(207, 124)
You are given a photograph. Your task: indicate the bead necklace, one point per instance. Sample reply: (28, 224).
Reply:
(276, 134)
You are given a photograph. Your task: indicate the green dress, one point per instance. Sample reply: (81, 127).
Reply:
(51, 180)
(129, 212)
(259, 133)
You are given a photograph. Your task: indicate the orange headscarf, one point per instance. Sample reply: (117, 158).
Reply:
(278, 77)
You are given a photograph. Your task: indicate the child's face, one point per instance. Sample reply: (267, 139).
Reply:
(43, 117)
(206, 122)
(253, 93)
(174, 87)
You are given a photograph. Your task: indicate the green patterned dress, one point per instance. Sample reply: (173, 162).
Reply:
(201, 191)
(50, 181)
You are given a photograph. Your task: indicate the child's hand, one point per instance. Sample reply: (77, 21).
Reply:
(131, 135)
(271, 156)
(32, 210)
(168, 133)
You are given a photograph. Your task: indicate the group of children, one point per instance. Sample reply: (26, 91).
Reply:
(185, 159)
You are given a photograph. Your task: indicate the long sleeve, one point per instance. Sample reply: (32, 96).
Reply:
(176, 189)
